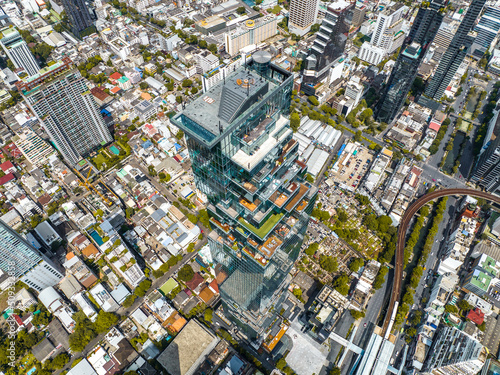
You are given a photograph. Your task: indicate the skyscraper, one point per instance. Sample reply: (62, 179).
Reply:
(329, 44)
(245, 160)
(487, 30)
(302, 16)
(60, 98)
(455, 53)
(78, 15)
(17, 50)
(454, 352)
(23, 262)
(413, 50)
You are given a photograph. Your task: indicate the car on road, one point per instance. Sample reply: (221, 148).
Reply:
(433, 180)
(364, 325)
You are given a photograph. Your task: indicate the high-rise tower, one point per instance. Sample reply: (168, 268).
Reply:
(329, 44)
(454, 55)
(17, 50)
(487, 30)
(413, 50)
(454, 352)
(245, 160)
(60, 98)
(23, 262)
(78, 15)
(302, 16)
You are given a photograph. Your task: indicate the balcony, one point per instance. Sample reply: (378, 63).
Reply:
(302, 191)
(265, 228)
(224, 227)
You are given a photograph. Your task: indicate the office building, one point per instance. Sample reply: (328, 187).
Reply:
(251, 32)
(487, 30)
(17, 50)
(60, 98)
(371, 54)
(454, 352)
(387, 33)
(454, 55)
(329, 44)
(302, 16)
(425, 27)
(34, 148)
(78, 16)
(21, 260)
(246, 162)
(358, 15)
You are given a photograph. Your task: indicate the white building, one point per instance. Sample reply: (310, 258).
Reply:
(302, 16)
(252, 32)
(206, 61)
(17, 50)
(103, 298)
(455, 352)
(120, 47)
(33, 147)
(441, 291)
(85, 306)
(54, 303)
(387, 33)
(371, 54)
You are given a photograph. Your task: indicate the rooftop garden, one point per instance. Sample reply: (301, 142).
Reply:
(265, 228)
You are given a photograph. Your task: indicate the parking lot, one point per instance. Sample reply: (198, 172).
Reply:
(352, 166)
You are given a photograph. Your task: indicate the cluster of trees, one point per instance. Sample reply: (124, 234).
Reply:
(283, 366)
(439, 137)
(24, 341)
(84, 68)
(415, 233)
(328, 263)
(342, 284)
(85, 330)
(356, 264)
(380, 278)
(323, 216)
(417, 271)
(172, 261)
(311, 249)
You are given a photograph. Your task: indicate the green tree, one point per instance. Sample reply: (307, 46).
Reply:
(208, 315)
(356, 264)
(294, 121)
(105, 320)
(328, 263)
(357, 314)
(297, 292)
(342, 284)
(202, 44)
(334, 371)
(212, 48)
(186, 273)
(451, 309)
(241, 10)
(312, 99)
(311, 249)
(342, 215)
(464, 305)
(143, 85)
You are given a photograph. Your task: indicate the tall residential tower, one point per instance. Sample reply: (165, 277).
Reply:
(78, 15)
(454, 55)
(413, 50)
(246, 162)
(23, 262)
(60, 98)
(17, 50)
(302, 16)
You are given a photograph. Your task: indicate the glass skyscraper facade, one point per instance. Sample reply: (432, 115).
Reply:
(405, 69)
(60, 98)
(245, 160)
(78, 15)
(455, 53)
(329, 44)
(487, 30)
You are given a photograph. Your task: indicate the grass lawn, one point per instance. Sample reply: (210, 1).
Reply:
(265, 228)
(169, 285)
(99, 160)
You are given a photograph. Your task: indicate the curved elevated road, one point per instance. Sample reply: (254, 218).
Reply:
(400, 246)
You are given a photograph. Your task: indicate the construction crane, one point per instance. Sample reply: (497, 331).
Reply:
(85, 182)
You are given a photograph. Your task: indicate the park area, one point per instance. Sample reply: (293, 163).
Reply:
(108, 157)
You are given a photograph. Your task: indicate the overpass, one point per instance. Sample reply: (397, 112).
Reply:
(400, 245)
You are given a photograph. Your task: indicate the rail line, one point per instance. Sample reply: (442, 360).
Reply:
(400, 245)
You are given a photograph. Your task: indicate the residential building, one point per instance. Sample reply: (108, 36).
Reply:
(358, 15)
(145, 110)
(454, 352)
(78, 16)
(328, 46)
(387, 33)
(60, 98)
(302, 16)
(34, 148)
(413, 50)
(22, 261)
(259, 203)
(251, 32)
(18, 51)
(441, 291)
(485, 272)
(454, 55)
(487, 30)
(206, 61)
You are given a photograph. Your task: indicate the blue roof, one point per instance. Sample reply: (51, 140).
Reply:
(147, 144)
(235, 364)
(137, 69)
(177, 146)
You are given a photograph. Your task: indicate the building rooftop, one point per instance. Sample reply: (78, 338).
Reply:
(188, 349)
(224, 102)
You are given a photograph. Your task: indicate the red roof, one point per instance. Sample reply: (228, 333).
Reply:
(6, 166)
(115, 90)
(115, 76)
(12, 149)
(195, 281)
(8, 177)
(214, 286)
(476, 315)
(434, 126)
